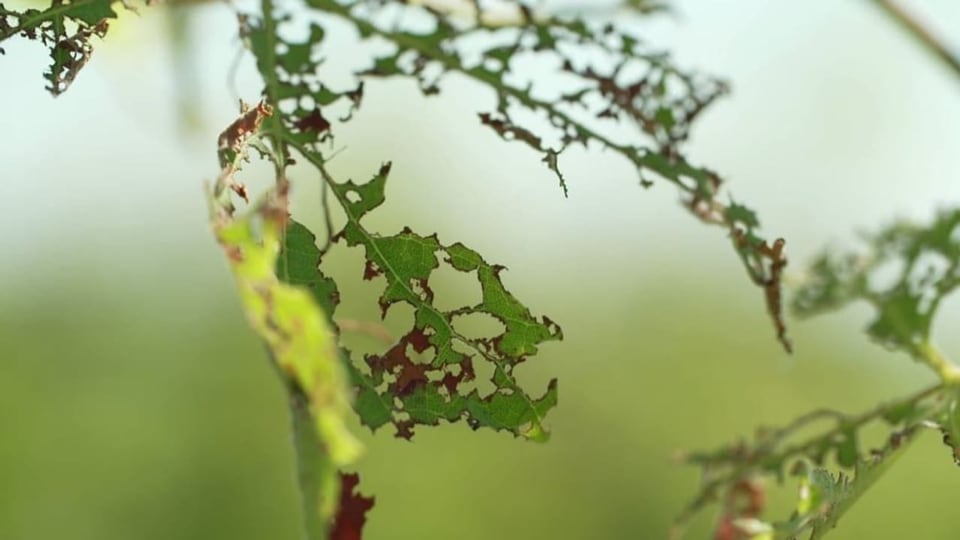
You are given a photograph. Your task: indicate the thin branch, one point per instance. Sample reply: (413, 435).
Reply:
(932, 43)
(745, 464)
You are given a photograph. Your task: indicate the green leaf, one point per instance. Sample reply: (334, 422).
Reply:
(425, 393)
(847, 451)
(289, 319)
(824, 496)
(299, 264)
(293, 76)
(402, 386)
(950, 427)
(92, 11)
(904, 272)
(66, 29)
(659, 102)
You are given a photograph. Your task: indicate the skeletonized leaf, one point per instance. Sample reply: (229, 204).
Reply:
(904, 272)
(399, 386)
(621, 81)
(66, 28)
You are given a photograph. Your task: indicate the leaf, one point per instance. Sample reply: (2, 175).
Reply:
(425, 393)
(626, 83)
(291, 323)
(352, 513)
(825, 497)
(775, 452)
(293, 79)
(950, 427)
(904, 272)
(66, 29)
(299, 264)
(399, 386)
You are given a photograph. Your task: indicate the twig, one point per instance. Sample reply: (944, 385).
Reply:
(744, 465)
(933, 44)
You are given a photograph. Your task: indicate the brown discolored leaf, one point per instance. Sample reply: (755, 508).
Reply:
(352, 512)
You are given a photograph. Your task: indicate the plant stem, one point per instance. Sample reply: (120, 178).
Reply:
(948, 372)
(743, 467)
(933, 44)
(318, 492)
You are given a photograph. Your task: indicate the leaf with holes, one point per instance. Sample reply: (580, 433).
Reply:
(398, 385)
(66, 28)
(904, 272)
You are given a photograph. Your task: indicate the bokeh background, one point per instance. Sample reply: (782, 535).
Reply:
(136, 404)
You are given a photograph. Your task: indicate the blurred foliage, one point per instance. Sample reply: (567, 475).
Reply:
(904, 274)
(291, 324)
(66, 29)
(171, 442)
(636, 87)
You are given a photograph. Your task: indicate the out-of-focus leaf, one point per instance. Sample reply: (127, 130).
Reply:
(775, 453)
(66, 28)
(825, 497)
(352, 513)
(401, 386)
(620, 82)
(289, 320)
(904, 273)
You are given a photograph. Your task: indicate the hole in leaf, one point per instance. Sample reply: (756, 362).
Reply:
(478, 326)
(288, 106)
(484, 381)
(454, 289)
(887, 275)
(493, 64)
(307, 103)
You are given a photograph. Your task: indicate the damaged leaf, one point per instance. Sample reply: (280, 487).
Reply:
(904, 272)
(352, 513)
(398, 386)
(290, 321)
(66, 29)
(778, 453)
(626, 83)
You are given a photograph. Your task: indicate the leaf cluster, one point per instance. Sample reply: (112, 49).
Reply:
(616, 94)
(903, 272)
(610, 79)
(66, 29)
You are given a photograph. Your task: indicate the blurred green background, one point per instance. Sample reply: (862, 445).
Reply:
(136, 404)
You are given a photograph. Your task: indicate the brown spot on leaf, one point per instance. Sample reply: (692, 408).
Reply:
(352, 512)
(314, 122)
(412, 376)
(418, 340)
(371, 270)
(404, 429)
(232, 138)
